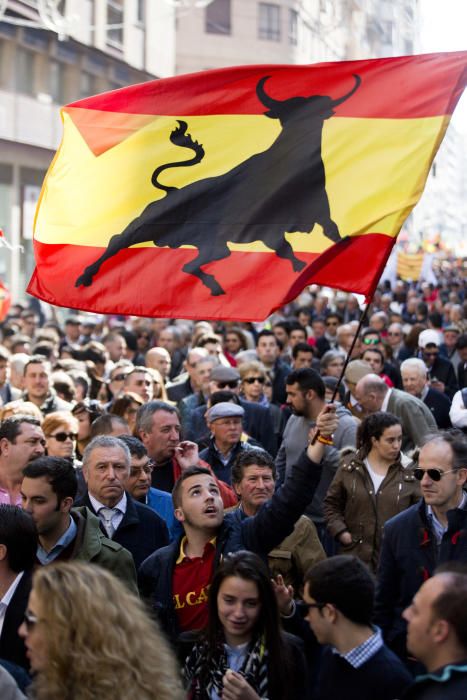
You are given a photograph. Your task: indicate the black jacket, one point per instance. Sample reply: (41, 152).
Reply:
(141, 530)
(178, 390)
(11, 645)
(443, 370)
(439, 405)
(447, 683)
(260, 533)
(409, 555)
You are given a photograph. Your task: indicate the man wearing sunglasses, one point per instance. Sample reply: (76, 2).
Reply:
(425, 535)
(440, 370)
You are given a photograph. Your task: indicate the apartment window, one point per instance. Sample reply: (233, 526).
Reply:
(57, 82)
(217, 17)
(87, 85)
(269, 24)
(24, 71)
(140, 11)
(293, 27)
(115, 16)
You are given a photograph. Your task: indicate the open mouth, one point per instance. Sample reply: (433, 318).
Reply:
(210, 510)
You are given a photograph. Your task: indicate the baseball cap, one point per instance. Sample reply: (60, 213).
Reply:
(428, 337)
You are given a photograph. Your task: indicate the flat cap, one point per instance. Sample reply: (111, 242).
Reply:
(225, 374)
(225, 409)
(356, 370)
(452, 328)
(428, 337)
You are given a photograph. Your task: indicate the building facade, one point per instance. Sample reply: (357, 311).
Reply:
(48, 59)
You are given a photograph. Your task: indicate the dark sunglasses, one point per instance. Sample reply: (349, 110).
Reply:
(30, 620)
(332, 323)
(430, 354)
(62, 437)
(434, 474)
(370, 341)
(230, 385)
(252, 380)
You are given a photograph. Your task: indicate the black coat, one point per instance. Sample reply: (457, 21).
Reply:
(439, 405)
(260, 533)
(141, 530)
(179, 390)
(443, 370)
(409, 555)
(11, 645)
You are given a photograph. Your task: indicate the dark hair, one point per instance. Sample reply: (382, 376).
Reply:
(451, 604)
(331, 383)
(436, 320)
(222, 396)
(250, 567)
(335, 314)
(302, 347)
(282, 324)
(461, 342)
(59, 472)
(248, 457)
(104, 424)
(45, 349)
(373, 426)
(240, 335)
(37, 360)
(123, 403)
(379, 352)
(136, 447)
(370, 331)
(265, 333)
(10, 428)
(457, 441)
(307, 379)
(19, 535)
(345, 582)
(191, 471)
(296, 326)
(90, 406)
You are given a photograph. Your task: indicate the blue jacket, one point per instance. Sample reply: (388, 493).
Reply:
(141, 530)
(259, 533)
(409, 555)
(161, 502)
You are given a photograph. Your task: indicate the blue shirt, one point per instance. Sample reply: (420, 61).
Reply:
(438, 528)
(61, 544)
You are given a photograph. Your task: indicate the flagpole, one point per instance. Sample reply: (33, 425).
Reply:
(363, 316)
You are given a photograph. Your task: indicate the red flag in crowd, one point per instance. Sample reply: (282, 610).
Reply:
(223, 194)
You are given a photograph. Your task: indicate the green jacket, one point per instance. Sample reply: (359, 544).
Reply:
(90, 544)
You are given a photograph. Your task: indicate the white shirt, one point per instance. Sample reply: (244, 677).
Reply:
(5, 601)
(384, 406)
(376, 478)
(119, 509)
(458, 412)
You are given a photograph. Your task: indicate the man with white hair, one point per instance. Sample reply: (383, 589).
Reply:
(415, 382)
(373, 394)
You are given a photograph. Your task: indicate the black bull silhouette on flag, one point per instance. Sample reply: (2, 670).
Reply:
(282, 189)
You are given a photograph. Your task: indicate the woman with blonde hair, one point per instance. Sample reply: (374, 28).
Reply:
(88, 638)
(60, 429)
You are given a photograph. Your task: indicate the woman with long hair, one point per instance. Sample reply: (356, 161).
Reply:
(371, 485)
(88, 638)
(243, 653)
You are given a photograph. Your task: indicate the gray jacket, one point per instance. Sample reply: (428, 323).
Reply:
(294, 442)
(415, 416)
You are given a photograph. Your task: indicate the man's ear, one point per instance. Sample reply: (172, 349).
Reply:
(179, 515)
(236, 489)
(3, 552)
(310, 395)
(330, 613)
(4, 444)
(85, 473)
(440, 631)
(66, 504)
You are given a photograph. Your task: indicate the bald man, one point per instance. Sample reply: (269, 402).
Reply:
(373, 394)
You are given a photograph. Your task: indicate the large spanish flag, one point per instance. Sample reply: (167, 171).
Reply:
(222, 194)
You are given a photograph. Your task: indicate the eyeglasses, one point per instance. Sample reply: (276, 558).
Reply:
(396, 334)
(63, 437)
(230, 385)
(434, 474)
(370, 341)
(146, 468)
(430, 354)
(252, 380)
(30, 620)
(332, 323)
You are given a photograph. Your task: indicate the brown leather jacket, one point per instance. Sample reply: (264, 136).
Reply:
(352, 505)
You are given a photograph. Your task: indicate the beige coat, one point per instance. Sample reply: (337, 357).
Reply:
(352, 505)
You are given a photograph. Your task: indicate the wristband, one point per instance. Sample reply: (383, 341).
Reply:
(325, 439)
(291, 614)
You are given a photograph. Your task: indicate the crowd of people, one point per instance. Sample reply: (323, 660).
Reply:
(237, 511)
